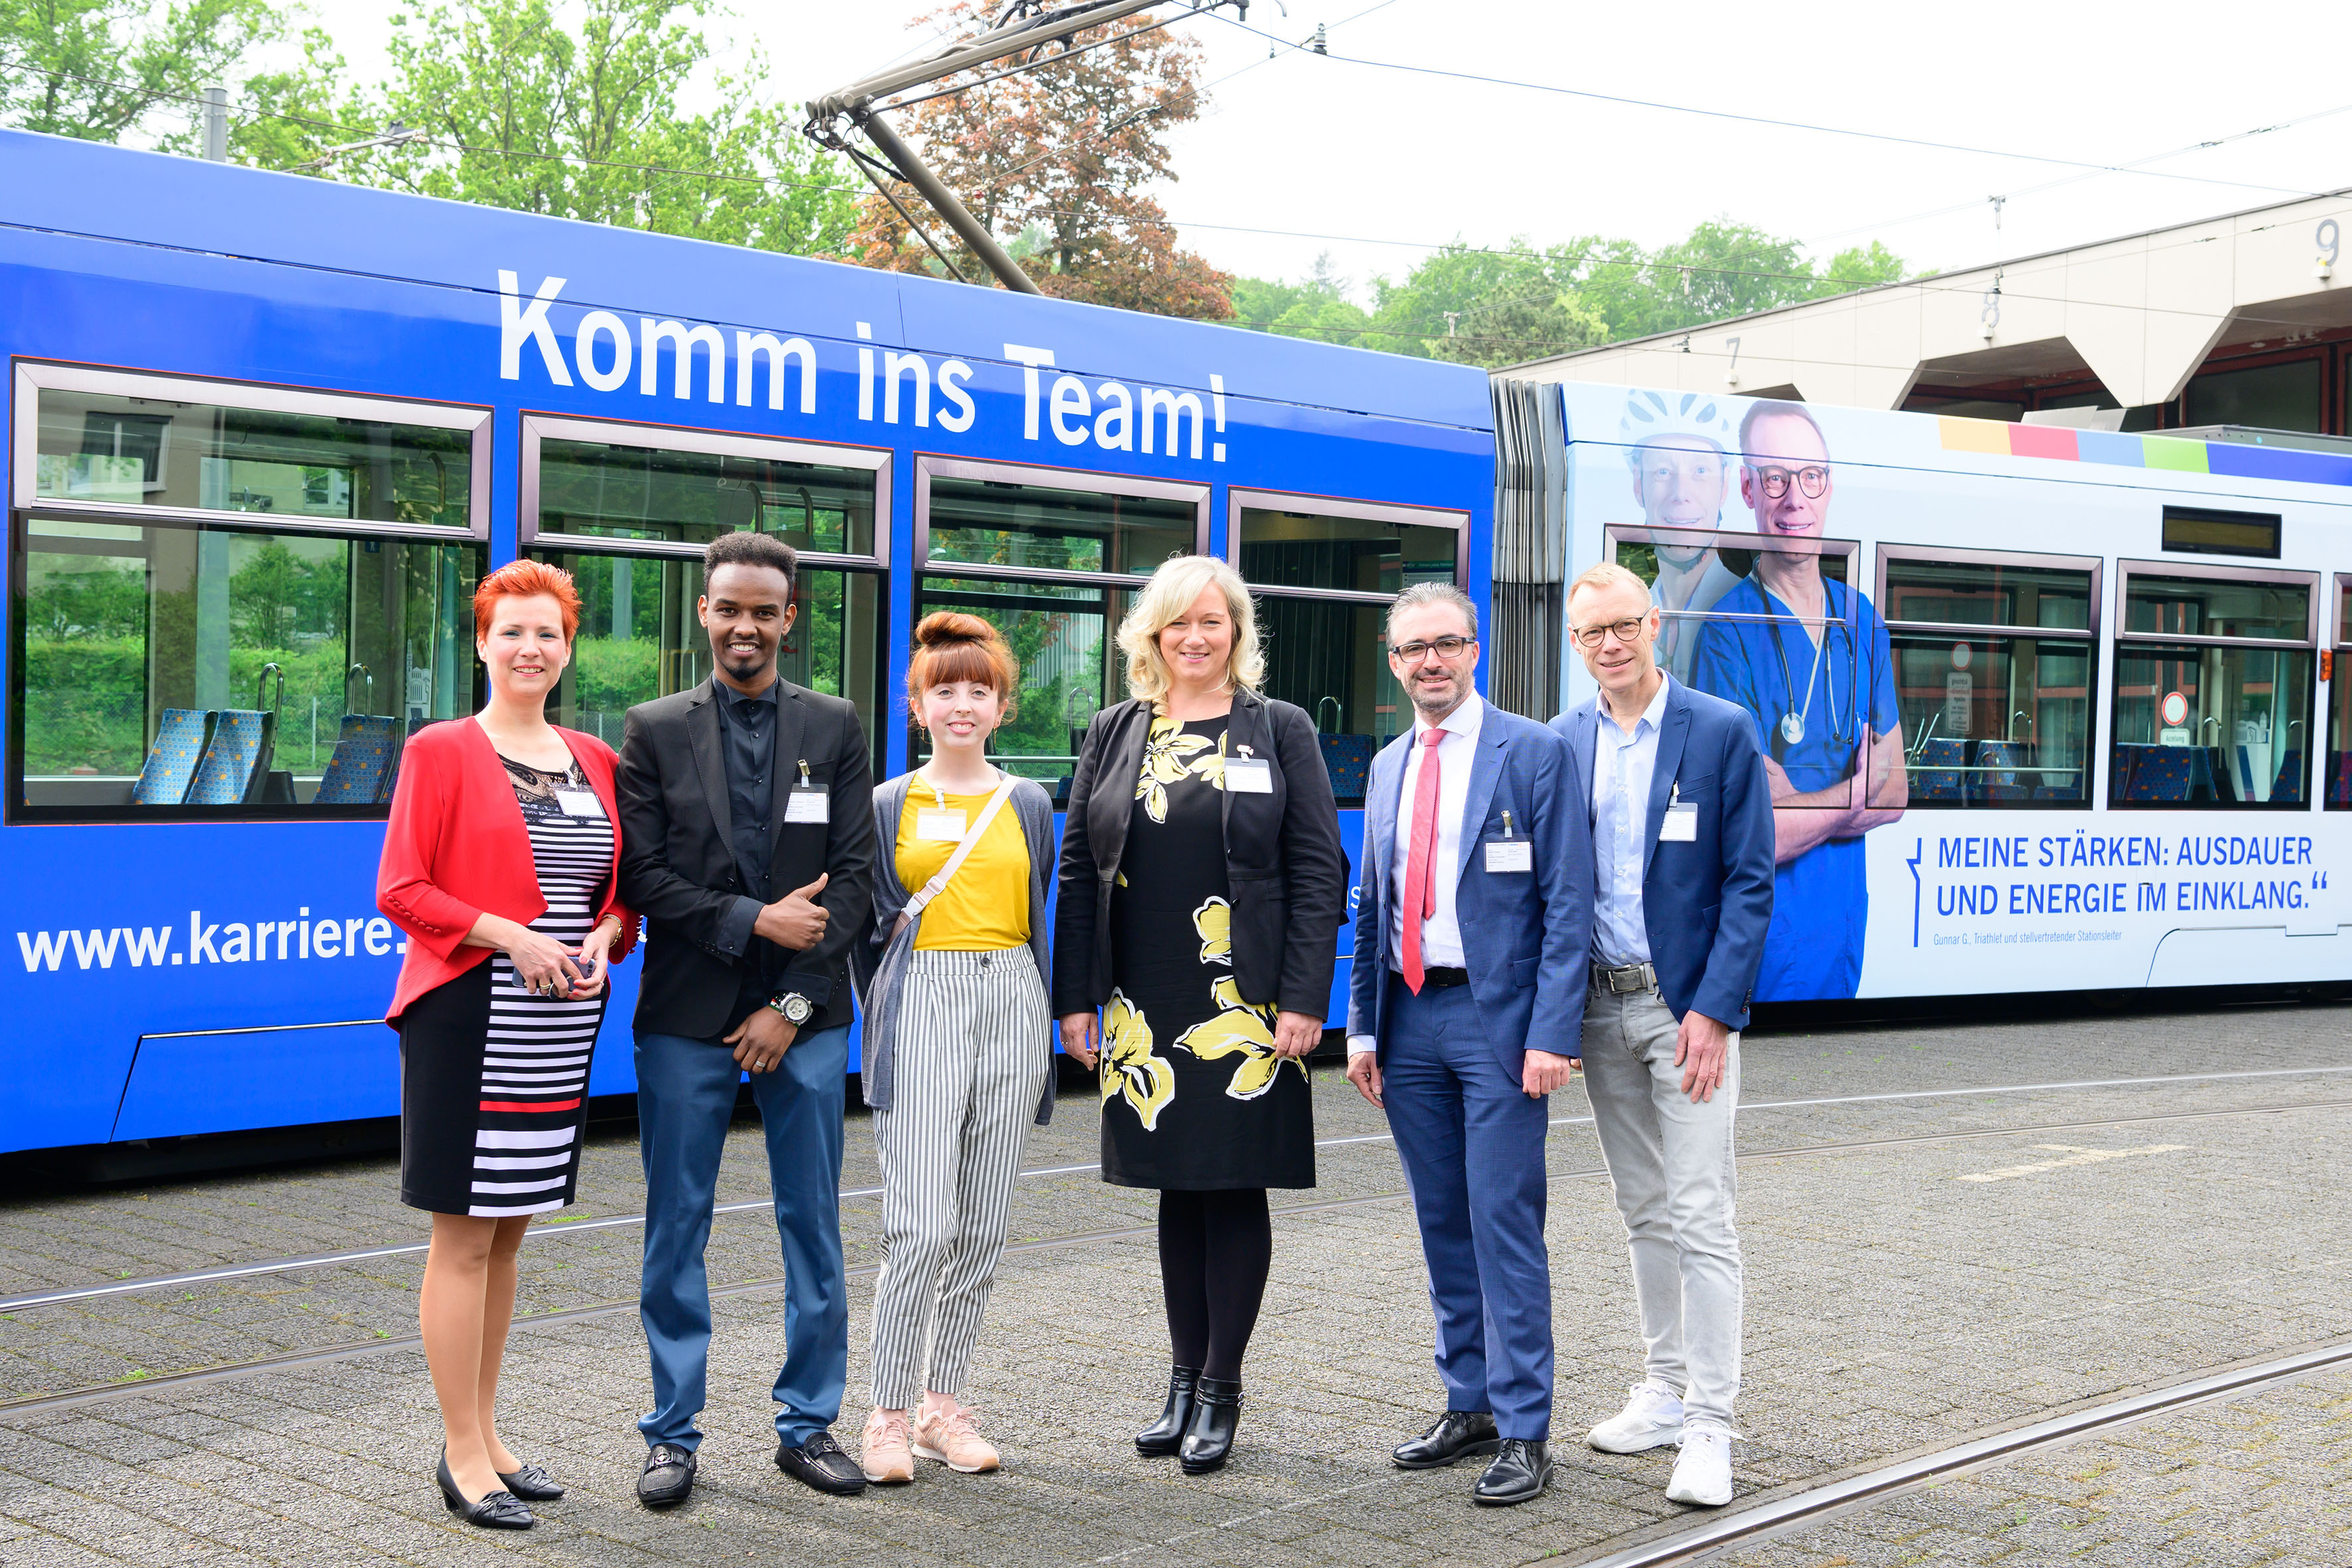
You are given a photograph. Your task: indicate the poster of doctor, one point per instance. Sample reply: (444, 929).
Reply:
(1820, 681)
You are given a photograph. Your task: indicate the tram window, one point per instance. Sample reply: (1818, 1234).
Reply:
(130, 451)
(2190, 607)
(1994, 720)
(1994, 594)
(172, 669)
(992, 522)
(1361, 554)
(1330, 657)
(2336, 777)
(2210, 725)
(1061, 634)
(596, 489)
(640, 637)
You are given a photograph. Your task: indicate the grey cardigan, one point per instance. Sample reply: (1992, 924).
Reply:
(880, 961)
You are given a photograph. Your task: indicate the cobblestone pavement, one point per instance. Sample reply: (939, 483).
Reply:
(1893, 1306)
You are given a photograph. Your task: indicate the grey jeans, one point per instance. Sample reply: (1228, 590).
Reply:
(1670, 1159)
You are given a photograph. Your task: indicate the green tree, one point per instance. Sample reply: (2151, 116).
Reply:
(1485, 307)
(98, 69)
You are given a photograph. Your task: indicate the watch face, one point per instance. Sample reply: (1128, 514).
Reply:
(797, 1009)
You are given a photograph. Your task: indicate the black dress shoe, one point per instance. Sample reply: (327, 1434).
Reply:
(1457, 1434)
(531, 1484)
(494, 1511)
(1165, 1436)
(668, 1478)
(1209, 1437)
(1521, 1470)
(820, 1463)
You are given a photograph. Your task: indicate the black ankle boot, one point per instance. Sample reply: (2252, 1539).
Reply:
(1162, 1438)
(1216, 1413)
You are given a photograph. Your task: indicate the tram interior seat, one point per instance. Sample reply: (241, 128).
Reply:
(2155, 775)
(1996, 777)
(2288, 785)
(365, 759)
(2339, 779)
(1936, 773)
(171, 765)
(235, 767)
(1348, 760)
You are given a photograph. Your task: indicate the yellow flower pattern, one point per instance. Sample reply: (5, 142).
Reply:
(1240, 1029)
(1214, 921)
(1128, 1067)
(1170, 756)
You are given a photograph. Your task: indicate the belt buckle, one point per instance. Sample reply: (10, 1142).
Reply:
(1629, 980)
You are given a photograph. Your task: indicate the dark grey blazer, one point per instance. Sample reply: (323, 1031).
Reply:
(879, 961)
(1285, 865)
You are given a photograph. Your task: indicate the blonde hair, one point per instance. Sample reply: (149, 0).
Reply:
(1605, 576)
(1168, 594)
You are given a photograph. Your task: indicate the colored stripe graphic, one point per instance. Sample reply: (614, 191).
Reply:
(2170, 454)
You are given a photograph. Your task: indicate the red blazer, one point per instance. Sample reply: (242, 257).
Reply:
(457, 847)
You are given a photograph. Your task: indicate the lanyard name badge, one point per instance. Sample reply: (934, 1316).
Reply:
(1681, 824)
(1246, 774)
(940, 823)
(1509, 852)
(579, 802)
(806, 802)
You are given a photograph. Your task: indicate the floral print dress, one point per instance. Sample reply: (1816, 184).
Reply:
(1194, 1096)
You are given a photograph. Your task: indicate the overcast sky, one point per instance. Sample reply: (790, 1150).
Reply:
(1376, 164)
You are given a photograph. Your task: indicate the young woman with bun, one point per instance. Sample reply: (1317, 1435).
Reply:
(958, 1046)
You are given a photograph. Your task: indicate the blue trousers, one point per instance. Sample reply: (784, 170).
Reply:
(1472, 1144)
(685, 1096)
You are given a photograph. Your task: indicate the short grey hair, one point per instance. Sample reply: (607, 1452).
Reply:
(1434, 593)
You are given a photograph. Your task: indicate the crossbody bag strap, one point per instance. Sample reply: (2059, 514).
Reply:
(938, 884)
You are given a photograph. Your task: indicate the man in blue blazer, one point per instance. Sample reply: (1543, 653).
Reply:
(1682, 827)
(1464, 1012)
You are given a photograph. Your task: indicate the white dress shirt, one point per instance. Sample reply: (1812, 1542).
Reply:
(1622, 765)
(1441, 934)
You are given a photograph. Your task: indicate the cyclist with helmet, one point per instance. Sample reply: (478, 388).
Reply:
(1675, 443)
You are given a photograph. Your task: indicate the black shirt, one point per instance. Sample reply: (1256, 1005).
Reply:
(748, 729)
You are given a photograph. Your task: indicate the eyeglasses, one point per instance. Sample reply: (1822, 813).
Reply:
(1626, 631)
(1447, 647)
(1811, 481)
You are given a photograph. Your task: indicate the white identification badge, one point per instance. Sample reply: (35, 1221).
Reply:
(1680, 826)
(1249, 775)
(579, 802)
(1511, 854)
(808, 806)
(939, 823)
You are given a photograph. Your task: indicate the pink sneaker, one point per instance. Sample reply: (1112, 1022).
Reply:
(883, 1455)
(953, 1440)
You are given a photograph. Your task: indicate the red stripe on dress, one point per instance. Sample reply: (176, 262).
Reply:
(572, 1104)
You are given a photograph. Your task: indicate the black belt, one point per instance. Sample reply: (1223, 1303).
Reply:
(1437, 979)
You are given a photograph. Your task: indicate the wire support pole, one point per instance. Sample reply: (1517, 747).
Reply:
(943, 201)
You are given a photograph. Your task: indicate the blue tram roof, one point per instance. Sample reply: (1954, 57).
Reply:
(89, 189)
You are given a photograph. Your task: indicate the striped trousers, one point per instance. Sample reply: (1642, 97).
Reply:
(973, 1056)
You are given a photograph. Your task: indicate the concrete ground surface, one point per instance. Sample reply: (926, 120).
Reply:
(1929, 1260)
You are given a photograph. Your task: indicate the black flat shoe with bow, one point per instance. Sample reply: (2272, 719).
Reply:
(531, 1484)
(1216, 1414)
(494, 1511)
(1165, 1436)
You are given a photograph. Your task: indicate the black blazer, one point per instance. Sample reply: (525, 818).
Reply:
(1283, 862)
(678, 866)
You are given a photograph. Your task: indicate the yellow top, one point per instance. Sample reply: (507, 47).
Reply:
(986, 908)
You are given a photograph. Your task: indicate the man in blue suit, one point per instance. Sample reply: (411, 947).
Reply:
(1682, 825)
(1474, 828)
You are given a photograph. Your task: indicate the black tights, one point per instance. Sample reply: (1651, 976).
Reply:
(1214, 1250)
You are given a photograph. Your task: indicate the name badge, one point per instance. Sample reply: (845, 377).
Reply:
(1511, 854)
(579, 802)
(808, 805)
(1680, 826)
(939, 823)
(1249, 775)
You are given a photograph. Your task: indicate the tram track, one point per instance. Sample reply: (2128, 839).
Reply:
(544, 1232)
(298, 1359)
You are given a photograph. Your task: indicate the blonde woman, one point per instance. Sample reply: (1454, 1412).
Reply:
(1203, 885)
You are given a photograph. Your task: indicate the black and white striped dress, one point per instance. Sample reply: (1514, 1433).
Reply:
(494, 1080)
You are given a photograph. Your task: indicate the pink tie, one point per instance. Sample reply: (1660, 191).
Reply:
(1420, 895)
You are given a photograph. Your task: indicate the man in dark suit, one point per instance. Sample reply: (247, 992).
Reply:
(746, 833)
(1474, 828)
(1682, 831)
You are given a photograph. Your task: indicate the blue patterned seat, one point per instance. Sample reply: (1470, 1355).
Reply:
(2288, 784)
(171, 765)
(2160, 774)
(1348, 759)
(1935, 772)
(1996, 776)
(361, 771)
(2339, 779)
(236, 760)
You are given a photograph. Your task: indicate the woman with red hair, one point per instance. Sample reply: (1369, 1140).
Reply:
(498, 863)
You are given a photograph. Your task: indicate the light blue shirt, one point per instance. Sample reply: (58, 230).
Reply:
(1622, 767)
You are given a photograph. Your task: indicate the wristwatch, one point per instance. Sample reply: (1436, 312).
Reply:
(792, 1007)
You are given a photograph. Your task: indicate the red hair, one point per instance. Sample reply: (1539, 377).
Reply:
(951, 646)
(526, 579)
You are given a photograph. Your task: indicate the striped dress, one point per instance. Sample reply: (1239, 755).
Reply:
(494, 1080)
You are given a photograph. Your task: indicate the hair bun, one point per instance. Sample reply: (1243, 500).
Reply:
(946, 628)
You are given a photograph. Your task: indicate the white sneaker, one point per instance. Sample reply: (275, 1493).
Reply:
(1703, 1473)
(1651, 1418)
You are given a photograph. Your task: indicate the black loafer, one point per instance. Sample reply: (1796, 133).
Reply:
(1519, 1471)
(1457, 1434)
(494, 1510)
(820, 1463)
(1216, 1415)
(668, 1478)
(531, 1484)
(1165, 1436)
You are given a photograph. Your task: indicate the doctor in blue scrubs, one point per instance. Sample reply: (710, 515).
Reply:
(1822, 696)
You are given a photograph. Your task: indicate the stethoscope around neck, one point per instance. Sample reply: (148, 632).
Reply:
(1794, 718)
